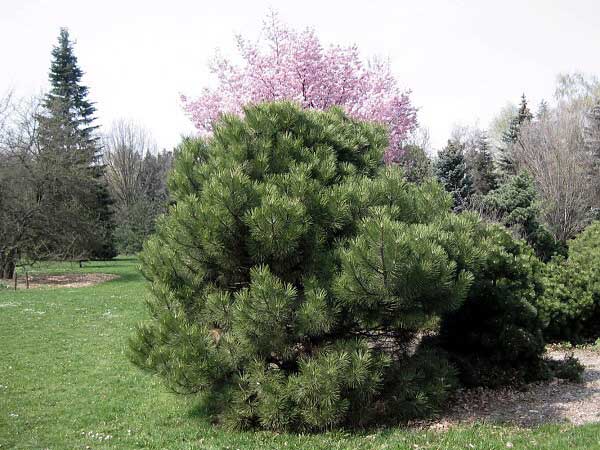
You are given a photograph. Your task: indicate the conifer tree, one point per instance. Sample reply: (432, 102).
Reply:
(451, 170)
(515, 204)
(481, 162)
(294, 276)
(68, 97)
(294, 273)
(510, 138)
(67, 132)
(543, 110)
(495, 337)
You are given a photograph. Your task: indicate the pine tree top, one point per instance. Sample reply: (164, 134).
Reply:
(524, 112)
(66, 88)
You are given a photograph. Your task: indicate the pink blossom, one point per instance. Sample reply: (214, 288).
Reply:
(294, 66)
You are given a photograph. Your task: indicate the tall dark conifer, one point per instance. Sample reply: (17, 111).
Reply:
(451, 170)
(66, 90)
(481, 163)
(506, 161)
(68, 133)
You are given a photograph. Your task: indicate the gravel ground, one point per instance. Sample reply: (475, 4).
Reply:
(67, 280)
(556, 401)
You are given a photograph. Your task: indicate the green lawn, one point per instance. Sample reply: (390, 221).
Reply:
(65, 383)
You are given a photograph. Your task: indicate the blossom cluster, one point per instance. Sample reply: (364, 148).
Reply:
(291, 65)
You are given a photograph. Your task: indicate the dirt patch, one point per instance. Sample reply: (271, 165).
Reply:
(556, 401)
(65, 280)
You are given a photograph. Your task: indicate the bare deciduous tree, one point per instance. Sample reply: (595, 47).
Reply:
(136, 175)
(552, 150)
(124, 148)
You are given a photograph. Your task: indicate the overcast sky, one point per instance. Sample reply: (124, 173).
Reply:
(462, 59)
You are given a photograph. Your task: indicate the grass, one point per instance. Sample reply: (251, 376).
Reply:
(66, 383)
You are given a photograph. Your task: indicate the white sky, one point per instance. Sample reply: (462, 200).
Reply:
(462, 59)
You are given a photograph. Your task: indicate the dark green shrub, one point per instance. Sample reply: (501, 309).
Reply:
(570, 306)
(294, 275)
(495, 337)
(515, 204)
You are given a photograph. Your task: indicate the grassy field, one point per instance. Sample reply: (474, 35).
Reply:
(65, 383)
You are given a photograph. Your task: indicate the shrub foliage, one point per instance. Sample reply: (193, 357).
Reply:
(294, 277)
(495, 337)
(515, 204)
(570, 306)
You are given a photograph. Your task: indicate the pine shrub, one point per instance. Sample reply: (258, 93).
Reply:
(294, 277)
(495, 338)
(570, 306)
(294, 274)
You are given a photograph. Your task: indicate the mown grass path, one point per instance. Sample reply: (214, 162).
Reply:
(66, 383)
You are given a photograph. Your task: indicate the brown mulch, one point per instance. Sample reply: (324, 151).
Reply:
(556, 401)
(65, 280)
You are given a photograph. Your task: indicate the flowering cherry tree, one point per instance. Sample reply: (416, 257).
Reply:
(294, 65)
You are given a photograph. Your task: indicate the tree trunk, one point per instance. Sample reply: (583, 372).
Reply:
(7, 265)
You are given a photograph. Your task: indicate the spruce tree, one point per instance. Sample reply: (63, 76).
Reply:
(451, 170)
(543, 110)
(515, 204)
(481, 165)
(67, 91)
(67, 131)
(510, 138)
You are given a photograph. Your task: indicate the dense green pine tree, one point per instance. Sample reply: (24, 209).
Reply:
(510, 138)
(451, 170)
(294, 273)
(67, 132)
(294, 276)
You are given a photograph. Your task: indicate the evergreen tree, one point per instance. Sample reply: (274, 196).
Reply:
(543, 110)
(510, 138)
(67, 91)
(293, 275)
(66, 128)
(451, 171)
(495, 337)
(481, 165)
(515, 204)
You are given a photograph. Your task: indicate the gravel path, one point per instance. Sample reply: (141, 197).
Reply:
(65, 280)
(551, 402)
